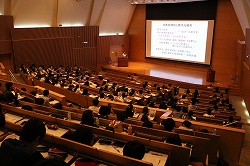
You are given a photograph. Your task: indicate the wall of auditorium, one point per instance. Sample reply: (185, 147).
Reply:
(227, 32)
(66, 46)
(112, 16)
(6, 51)
(245, 72)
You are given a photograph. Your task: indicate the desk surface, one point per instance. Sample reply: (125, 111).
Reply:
(157, 159)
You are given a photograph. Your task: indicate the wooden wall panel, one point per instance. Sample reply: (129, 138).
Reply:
(5, 46)
(6, 49)
(227, 32)
(104, 43)
(56, 45)
(85, 57)
(6, 24)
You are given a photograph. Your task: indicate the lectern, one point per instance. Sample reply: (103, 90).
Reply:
(122, 62)
(210, 75)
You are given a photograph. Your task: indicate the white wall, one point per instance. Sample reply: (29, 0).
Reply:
(242, 9)
(112, 16)
(1, 7)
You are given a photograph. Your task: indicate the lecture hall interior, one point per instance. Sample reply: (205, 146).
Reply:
(161, 50)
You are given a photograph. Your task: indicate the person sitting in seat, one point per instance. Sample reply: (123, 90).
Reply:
(168, 124)
(134, 149)
(95, 108)
(104, 111)
(144, 116)
(186, 125)
(147, 123)
(209, 113)
(88, 118)
(174, 139)
(58, 106)
(22, 151)
(84, 135)
(27, 107)
(230, 107)
(117, 124)
(230, 122)
(215, 110)
(129, 110)
(46, 97)
(177, 112)
(8, 96)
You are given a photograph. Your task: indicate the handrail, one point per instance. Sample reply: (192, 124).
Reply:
(12, 77)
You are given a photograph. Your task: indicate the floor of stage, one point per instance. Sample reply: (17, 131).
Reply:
(184, 74)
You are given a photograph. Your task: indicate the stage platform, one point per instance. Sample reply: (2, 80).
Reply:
(194, 75)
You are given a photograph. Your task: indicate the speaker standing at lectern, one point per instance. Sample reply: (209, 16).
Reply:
(124, 55)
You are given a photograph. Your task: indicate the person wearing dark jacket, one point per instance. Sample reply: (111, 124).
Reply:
(22, 152)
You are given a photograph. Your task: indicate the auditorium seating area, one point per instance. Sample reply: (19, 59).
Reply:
(205, 148)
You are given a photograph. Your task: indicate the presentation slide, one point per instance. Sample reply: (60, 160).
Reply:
(188, 41)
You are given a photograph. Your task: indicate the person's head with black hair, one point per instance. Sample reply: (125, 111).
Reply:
(104, 111)
(86, 83)
(88, 118)
(129, 112)
(46, 92)
(124, 95)
(32, 132)
(147, 124)
(215, 107)
(185, 109)
(178, 108)
(23, 89)
(134, 149)
(226, 91)
(118, 90)
(209, 111)
(9, 85)
(85, 91)
(58, 106)
(101, 95)
(187, 124)
(204, 131)
(151, 104)
(174, 139)
(168, 124)
(95, 101)
(145, 110)
(27, 107)
(121, 116)
(39, 101)
(84, 135)
(163, 105)
(190, 114)
(230, 119)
